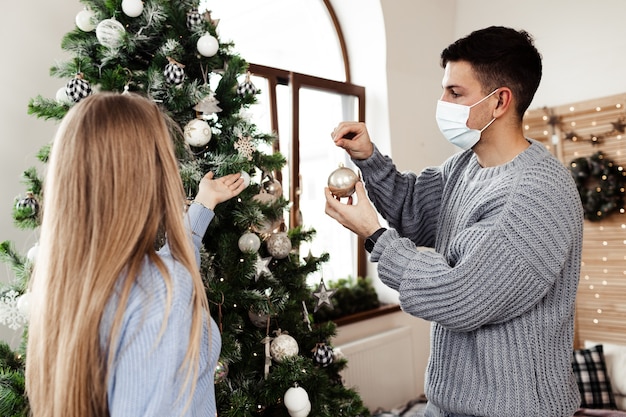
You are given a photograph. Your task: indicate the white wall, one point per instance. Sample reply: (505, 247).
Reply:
(31, 36)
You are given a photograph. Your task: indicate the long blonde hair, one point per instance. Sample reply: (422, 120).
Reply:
(112, 184)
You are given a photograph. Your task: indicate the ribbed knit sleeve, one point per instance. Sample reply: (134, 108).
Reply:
(420, 195)
(145, 379)
(499, 284)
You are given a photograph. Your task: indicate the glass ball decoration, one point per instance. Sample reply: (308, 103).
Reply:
(297, 402)
(273, 188)
(132, 8)
(174, 72)
(109, 33)
(85, 20)
(249, 242)
(194, 18)
(246, 178)
(221, 372)
(23, 303)
(197, 133)
(323, 354)
(283, 346)
(207, 45)
(28, 202)
(341, 182)
(258, 319)
(77, 88)
(279, 245)
(61, 96)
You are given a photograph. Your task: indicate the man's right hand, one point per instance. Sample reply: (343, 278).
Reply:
(360, 145)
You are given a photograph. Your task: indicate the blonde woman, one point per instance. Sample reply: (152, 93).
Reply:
(117, 328)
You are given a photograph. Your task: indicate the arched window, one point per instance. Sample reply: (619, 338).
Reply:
(298, 60)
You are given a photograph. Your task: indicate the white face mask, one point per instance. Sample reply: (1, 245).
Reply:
(452, 120)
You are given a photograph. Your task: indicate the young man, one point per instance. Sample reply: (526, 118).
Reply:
(505, 222)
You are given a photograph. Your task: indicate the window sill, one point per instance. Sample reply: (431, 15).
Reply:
(368, 314)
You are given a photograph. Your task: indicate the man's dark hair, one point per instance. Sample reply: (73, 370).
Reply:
(500, 57)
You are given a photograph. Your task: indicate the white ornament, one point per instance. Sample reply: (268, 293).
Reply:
(109, 33)
(249, 242)
(85, 20)
(31, 255)
(246, 178)
(279, 245)
(283, 346)
(23, 304)
(301, 413)
(10, 315)
(61, 96)
(297, 402)
(207, 45)
(132, 8)
(197, 133)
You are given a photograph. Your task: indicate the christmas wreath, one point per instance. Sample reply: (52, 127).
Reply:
(600, 183)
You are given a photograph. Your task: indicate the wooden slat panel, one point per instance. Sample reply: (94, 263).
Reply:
(601, 301)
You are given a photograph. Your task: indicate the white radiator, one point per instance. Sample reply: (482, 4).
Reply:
(381, 368)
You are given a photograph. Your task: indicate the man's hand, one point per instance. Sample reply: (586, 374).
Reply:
(354, 138)
(361, 218)
(211, 191)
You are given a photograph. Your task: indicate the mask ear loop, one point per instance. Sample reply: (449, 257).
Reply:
(485, 98)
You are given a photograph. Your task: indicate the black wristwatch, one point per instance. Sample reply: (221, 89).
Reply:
(371, 240)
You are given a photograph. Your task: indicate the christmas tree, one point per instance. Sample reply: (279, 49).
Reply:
(275, 359)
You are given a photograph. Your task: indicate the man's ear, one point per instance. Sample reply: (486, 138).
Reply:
(505, 101)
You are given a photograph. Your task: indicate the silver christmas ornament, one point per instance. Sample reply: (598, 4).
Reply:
(341, 182)
(249, 242)
(279, 245)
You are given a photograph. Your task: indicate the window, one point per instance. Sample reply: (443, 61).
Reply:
(301, 108)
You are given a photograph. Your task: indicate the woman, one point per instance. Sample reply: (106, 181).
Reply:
(117, 328)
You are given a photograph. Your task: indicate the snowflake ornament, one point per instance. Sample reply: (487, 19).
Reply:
(245, 147)
(10, 314)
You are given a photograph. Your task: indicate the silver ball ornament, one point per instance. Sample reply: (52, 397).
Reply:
(279, 245)
(341, 182)
(221, 372)
(258, 319)
(249, 242)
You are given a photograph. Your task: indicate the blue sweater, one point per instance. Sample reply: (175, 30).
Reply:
(145, 380)
(499, 282)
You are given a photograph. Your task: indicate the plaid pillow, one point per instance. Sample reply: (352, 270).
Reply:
(592, 378)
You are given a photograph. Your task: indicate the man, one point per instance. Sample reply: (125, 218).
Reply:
(505, 222)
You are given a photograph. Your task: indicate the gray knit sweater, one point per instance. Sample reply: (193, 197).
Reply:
(499, 286)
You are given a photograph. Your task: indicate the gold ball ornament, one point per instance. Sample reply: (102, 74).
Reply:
(283, 346)
(341, 182)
